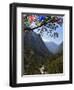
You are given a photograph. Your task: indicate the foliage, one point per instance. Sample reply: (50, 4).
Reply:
(32, 60)
(43, 23)
(32, 63)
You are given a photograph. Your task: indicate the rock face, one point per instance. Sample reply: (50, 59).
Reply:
(33, 41)
(60, 48)
(38, 58)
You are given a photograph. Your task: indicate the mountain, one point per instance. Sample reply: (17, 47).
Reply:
(60, 48)
(52, 47)
(34, 42)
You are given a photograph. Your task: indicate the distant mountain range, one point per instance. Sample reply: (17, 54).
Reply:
(54, 48)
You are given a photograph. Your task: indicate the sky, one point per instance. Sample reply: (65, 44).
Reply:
(52, 39)
(48, 38)
(31, 23)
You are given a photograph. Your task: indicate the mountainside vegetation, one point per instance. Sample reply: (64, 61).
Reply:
(36, 56)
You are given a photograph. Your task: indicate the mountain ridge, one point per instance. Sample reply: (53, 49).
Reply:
(35, 42)
(53, 47)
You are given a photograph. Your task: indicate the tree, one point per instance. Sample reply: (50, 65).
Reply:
(43, 24)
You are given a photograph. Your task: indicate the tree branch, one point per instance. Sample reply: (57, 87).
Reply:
(43, 23)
